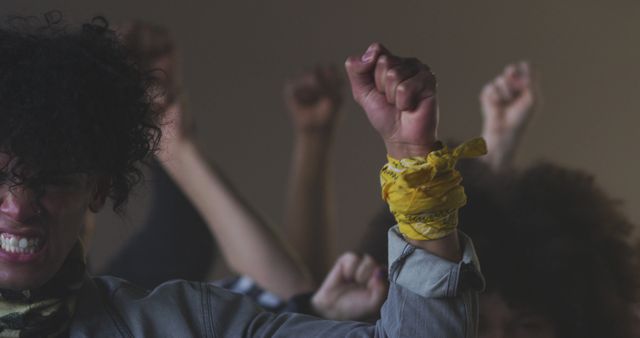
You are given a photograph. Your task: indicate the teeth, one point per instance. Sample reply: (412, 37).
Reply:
(16, 244)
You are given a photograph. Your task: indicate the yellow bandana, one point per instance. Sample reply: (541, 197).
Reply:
(424, 194)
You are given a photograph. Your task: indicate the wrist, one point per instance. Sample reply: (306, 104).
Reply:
(501, 136)
(314, 132)
(501, 149)
(314, 139)
(405, 150)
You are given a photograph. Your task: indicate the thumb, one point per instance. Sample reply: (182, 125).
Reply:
(360, 70)
(337, 274)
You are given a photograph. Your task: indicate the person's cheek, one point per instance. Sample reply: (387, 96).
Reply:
(65, 214)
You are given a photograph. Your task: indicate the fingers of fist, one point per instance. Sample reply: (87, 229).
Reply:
(324, 82)
(358, 269)
(149, 43)
(509, 85)
(354, 289)
(403, 81)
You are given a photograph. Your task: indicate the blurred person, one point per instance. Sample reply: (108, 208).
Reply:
(348, 292)
(572, 270)
(248, 243)
(354, 289)
(175, 242)
(557, 254)
(313, 99)
(507, 104)
(77, 121)
(142, 258)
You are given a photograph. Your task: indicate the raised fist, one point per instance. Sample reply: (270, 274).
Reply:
(153, 48)
(354, 289)
(399, 97)
(507, 104)
(314, 99)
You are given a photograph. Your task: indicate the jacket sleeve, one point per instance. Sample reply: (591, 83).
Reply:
(428, 297)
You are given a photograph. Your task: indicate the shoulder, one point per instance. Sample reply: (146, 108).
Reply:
(189, 309)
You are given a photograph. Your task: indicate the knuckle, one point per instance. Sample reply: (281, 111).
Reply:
(348, 256)
(383, 60)
(403, 88)
(348, 63)
(368, 260)
(392, 74)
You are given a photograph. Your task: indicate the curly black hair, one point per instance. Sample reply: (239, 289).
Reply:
(73, 101)
(551, 241)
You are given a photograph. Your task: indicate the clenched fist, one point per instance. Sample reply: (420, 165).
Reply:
(399, 96)
(507, 105)
(314, 99)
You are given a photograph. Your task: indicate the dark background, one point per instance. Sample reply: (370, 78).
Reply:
(237, 54)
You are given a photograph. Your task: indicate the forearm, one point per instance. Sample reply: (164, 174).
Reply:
(248, 243)
(308, 216)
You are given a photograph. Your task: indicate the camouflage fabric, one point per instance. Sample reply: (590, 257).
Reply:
(47, 311)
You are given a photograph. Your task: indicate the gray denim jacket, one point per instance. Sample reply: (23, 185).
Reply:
(428, 297)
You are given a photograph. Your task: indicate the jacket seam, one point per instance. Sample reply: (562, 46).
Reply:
(402, 306)
(117, 320)
(454, 278)
(467, 311)
(207, 313)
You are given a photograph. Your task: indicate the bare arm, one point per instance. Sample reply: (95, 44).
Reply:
(313, 100)
(248, 243)
(507, 105)
(428, 296)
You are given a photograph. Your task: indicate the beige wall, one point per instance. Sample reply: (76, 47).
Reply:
(237, 53)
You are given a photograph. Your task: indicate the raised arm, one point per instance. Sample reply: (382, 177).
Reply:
(250, 245)
(313, 100)
(399, 97)
(507, 105)
(433, 284)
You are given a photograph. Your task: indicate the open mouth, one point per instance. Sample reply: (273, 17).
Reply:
(14, 244)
